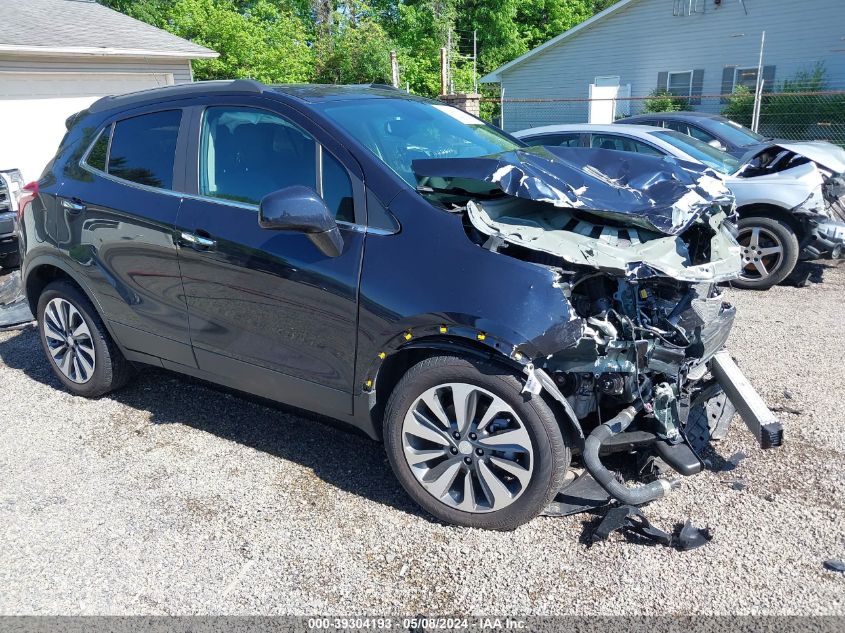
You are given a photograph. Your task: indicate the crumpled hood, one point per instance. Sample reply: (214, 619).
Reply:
(659, 194)
(826, 155)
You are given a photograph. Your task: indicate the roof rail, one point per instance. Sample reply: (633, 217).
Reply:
(179, 90)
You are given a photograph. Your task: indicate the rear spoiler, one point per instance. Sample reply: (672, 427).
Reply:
(71, 120)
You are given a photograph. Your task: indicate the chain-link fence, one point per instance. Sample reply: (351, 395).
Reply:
(793, 114)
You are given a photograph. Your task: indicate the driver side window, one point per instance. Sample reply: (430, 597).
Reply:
(246, 153)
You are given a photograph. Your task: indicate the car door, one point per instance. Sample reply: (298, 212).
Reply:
(117, 213)
(269, 313)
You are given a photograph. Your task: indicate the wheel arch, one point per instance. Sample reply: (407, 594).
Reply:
(388, 374)
(46, 269)
(390, 370)
(778, 213)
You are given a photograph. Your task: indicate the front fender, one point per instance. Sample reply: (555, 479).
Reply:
(432, 281)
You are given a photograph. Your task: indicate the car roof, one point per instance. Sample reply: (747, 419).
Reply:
(589, 127)
(302, 92)
(683, 114)
(342, 92)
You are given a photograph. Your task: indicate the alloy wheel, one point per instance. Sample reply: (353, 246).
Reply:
(69, 340)
(467, 447)
(762, 252)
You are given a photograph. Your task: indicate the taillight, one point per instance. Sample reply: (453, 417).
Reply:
(31, 191)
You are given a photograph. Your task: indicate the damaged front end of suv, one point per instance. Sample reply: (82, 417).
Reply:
(638, 245)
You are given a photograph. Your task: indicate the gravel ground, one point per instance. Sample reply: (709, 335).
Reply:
(172, 497)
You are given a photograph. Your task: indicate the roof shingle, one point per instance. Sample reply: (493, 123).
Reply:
(68, 26)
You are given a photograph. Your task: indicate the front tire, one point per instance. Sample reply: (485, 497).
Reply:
(471, 448)
(769, 252)
(77, 345)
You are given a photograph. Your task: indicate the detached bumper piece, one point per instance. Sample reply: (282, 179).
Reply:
(631, 521)
(828, 241)
(757, 416)
(14, 309)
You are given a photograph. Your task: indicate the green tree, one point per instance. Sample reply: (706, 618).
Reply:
(661, 100)
(799, 106)
(350, 41)
(740, 106)
(541, 20)
(355, 49)
(420, 28)
(259, 39)
(155, 12)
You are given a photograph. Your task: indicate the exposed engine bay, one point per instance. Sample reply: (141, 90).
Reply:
(820, 167)
(638, 244)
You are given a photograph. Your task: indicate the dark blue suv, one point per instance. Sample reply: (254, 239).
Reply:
(326, 247)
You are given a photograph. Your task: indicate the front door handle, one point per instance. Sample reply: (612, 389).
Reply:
(198, 242)
(73, 206)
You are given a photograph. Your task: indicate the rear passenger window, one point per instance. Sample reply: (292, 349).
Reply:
(99, 153)
(143, 148)
(561, 140)
(643, 148)
(609, 141)
(623, 144)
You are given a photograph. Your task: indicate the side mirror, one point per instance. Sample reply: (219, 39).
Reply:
(300, 209)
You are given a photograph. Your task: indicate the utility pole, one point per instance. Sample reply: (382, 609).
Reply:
(474, 63)
(444, 80)
(449, 61)
(758, 89)
(394, 69)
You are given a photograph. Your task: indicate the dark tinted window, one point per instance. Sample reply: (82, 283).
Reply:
(563, 140)
(337, 189)
(144, 148)
(623, 144)
(97, 156)
(701, 135)
(248, 153)
(678, 126)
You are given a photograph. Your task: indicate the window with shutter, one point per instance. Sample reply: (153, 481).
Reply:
(727, 82)
(680, 83)
(697, 86)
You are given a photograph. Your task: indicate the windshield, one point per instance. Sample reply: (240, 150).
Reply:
(735, 134)
(399, 131)
(717, 159)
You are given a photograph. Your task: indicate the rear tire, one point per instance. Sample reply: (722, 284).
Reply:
(495, 474)
(769, 252)
(78, 347)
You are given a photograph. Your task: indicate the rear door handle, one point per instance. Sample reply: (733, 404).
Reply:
(198, 242)
(73, 206)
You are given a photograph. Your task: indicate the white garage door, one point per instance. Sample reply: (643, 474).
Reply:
(34, 106)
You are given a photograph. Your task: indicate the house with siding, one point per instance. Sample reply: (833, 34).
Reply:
(58, 56)
(694, 48)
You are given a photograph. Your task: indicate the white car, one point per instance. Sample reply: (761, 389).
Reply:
(789, 195)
